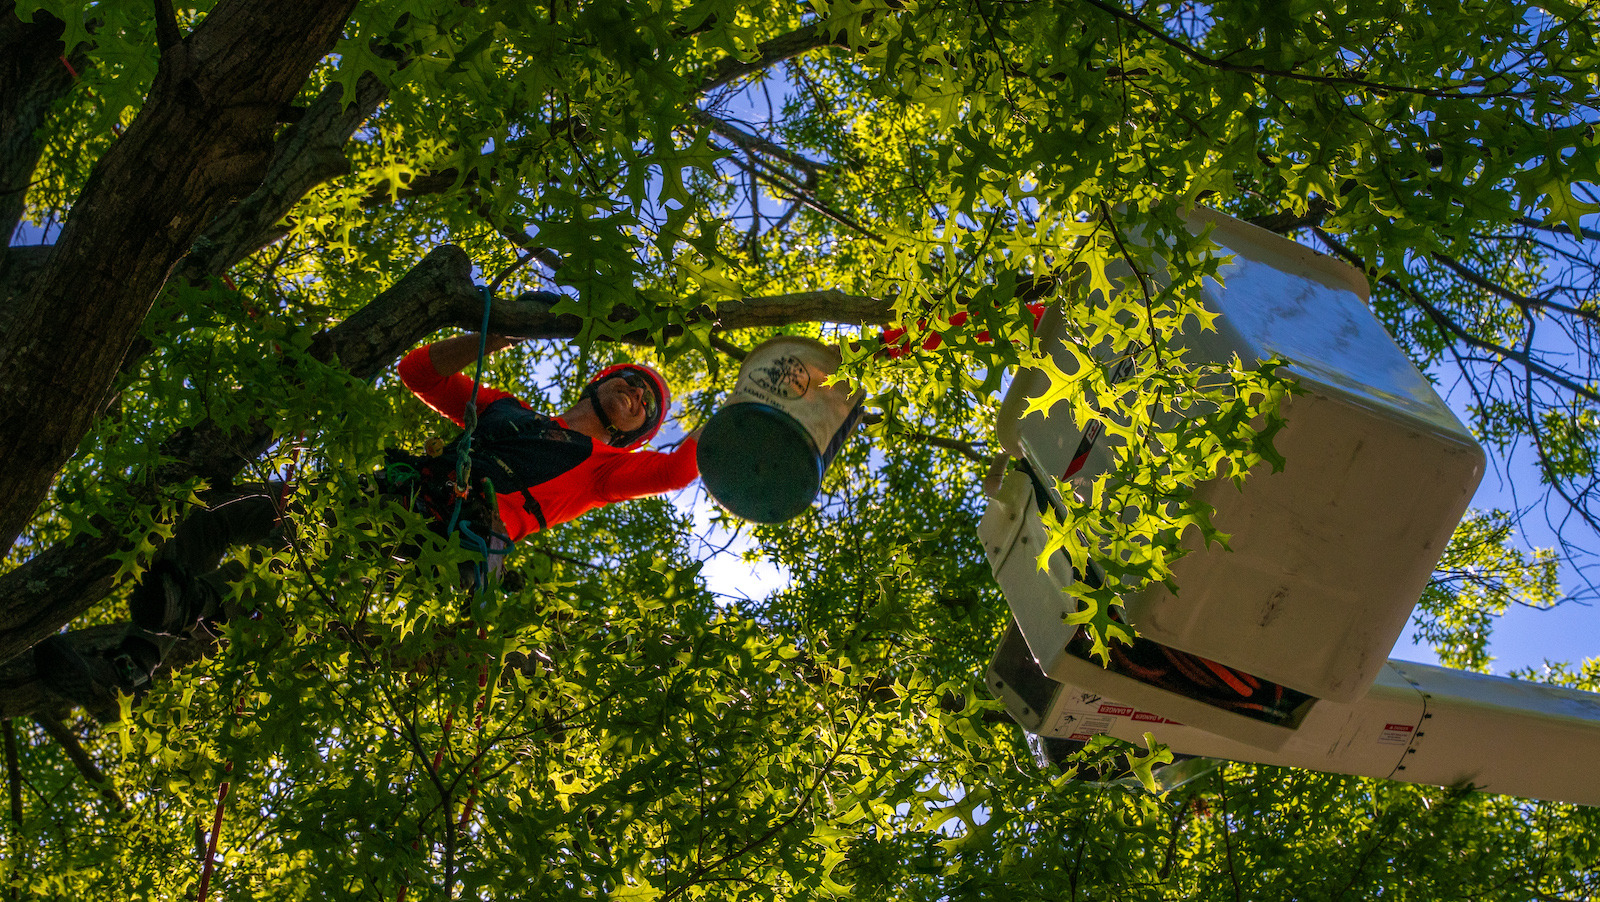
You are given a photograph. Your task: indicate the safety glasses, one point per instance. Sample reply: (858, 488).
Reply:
(652, 404)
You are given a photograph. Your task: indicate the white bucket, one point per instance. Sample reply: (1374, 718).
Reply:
(763, 454)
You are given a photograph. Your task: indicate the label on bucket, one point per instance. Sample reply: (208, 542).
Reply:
(763, 454)
(788, 373)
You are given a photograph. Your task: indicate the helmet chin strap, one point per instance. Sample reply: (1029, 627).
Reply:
(592, 392)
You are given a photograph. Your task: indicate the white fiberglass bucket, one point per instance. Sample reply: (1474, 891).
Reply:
(1328, 556)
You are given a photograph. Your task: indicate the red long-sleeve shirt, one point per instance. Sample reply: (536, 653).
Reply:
(606, 475)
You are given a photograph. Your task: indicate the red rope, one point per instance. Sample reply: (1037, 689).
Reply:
(216, 834)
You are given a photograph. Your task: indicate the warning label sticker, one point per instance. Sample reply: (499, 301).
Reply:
(1097, 717)
(1396, 734)
(1094, 726)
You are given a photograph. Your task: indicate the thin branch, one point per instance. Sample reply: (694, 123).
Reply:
(81, 760)
(755, 143)
(755, 843)
(13, 770)
(1193, 53)
(968, 450)
(14, 783)
(803, 193)
(1558, 228)
(1144, 280)
(1495, 288)
(727, 347)
(1557, 484)
(1227, 833)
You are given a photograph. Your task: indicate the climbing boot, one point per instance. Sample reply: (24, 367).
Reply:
(168, 601)
(92, 678)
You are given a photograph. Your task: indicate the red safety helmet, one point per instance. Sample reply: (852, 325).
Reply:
(657, 399)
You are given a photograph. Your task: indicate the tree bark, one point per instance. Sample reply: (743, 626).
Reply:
(310, 153)
(202, 139)
(35, 72)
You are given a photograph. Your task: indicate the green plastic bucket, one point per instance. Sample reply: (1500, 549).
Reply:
(762, 455)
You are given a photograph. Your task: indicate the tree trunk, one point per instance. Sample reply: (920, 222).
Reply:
(203, 139)
(35, 72)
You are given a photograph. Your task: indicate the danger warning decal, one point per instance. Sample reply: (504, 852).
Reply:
(1096, 717)
(1396, 734)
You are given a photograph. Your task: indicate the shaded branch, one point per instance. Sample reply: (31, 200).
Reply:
(202, 139)
(803, 194)
(769, 52)
(168, 38)
(423, 184)
(966, 449)
(35, 72)
(13, 773)
(1500, 291)
(1222, 65)
(969, 450)
(755, 143)
(1285, 221)
(1558, 228)
(80, 759)
(55, 586)
(309, 153)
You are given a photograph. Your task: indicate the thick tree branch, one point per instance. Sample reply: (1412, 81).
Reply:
(19, 266)
(310, 153)
(529, 318)
(34, 75)
(202, 139)
(65, 580)
(1285, 221)
(770, 52)
(60, 583)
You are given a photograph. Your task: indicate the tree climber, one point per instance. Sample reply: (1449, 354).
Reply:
(528, 472)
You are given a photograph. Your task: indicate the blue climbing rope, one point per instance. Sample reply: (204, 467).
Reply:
(469, 417)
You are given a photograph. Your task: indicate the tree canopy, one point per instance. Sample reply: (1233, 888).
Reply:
(227, 221)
